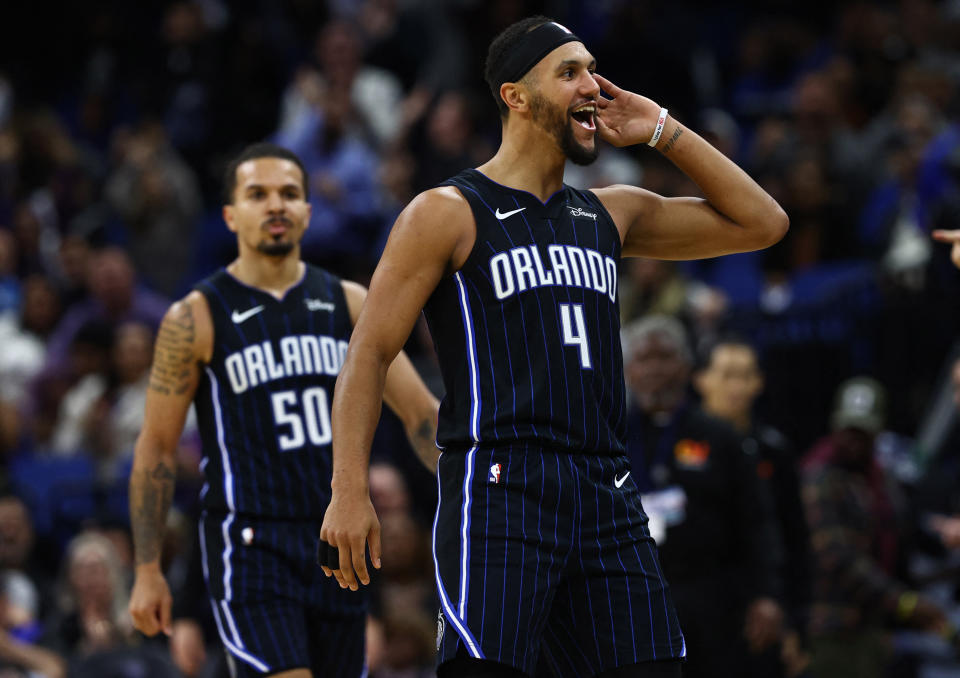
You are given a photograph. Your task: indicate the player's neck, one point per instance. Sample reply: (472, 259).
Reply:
(274, 275)
(528, 159)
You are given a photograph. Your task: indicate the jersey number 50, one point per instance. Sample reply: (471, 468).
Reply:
(312, 409)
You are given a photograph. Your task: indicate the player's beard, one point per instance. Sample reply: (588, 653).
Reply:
(276, 248)
(559, 124)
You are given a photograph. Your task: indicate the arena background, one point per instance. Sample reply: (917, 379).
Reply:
(116, 121)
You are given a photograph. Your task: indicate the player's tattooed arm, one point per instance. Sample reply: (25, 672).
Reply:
(151, 492)
(174, 359)
(183, 343)
(423, 438)
(672, 141)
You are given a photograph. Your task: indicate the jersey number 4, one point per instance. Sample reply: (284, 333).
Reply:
(575, 331)
(309, 413)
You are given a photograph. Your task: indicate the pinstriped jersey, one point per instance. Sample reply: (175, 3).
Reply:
(528, 331)
(263, 402)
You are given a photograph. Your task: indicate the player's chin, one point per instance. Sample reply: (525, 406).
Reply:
(583, 153)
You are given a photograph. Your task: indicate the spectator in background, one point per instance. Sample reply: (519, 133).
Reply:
(91, 613)
(406, 578)
(856, 527)
(91, 626)
(341, 169)
(83, 382)
(374, 93)
(157, 198)
(9, 282)
(20, 654)
(700, 493)
(448, 143)
(23, 335)
(408, 646)
(19, 551)
(654, 286)
(112, 416)
(115, 297)
(729, 383)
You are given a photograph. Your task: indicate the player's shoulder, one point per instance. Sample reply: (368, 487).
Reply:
(189, 320)
(438, 203)
(438, 215)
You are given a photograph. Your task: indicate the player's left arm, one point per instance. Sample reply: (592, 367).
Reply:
(404, 392)
(735, 215)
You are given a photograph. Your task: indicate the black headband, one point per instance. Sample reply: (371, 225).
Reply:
(531, 48)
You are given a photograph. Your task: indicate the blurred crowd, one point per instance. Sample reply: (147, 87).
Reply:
(812, 379)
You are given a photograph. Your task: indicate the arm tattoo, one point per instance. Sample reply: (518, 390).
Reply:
(172, 370)
(667, 147)
(151, 492)
(424, 440)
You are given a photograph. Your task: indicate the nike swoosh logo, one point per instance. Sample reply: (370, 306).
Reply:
(238, 317)
(619, 481)
(504, 215)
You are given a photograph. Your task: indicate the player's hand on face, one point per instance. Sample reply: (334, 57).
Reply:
(627, 118)
(350, 523)
(151, 602)
(952, 237)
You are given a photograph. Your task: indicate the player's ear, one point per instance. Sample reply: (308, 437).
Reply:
(515, 95)
(228, 217)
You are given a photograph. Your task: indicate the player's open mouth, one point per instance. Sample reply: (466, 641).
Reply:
(583, 114)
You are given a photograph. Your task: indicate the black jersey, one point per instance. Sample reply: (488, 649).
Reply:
(528, 330)
(263, 403)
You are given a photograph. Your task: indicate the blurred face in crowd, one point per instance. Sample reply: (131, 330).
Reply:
(269, 212)
(41, 305)
(656, 373)
(111, 279)
(730, 382)
(132, 351)
(16, 533)
(403, 546)
(388, 490)
(561, 84)
(90, 572)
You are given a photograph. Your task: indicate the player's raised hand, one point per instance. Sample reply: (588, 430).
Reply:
(952, 237)
(627, 118)
(350, 524)
(151, 602)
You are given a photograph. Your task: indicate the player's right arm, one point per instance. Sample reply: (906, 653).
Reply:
(431, 239)
(184, 341)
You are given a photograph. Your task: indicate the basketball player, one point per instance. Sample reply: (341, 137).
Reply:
(540, 542)
(257, 348)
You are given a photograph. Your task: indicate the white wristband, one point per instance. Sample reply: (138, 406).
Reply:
(661, 121)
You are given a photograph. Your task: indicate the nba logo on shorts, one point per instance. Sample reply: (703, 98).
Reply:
(494, 476)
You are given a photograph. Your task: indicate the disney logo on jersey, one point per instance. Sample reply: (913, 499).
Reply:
(319, 305)
(580, 212)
